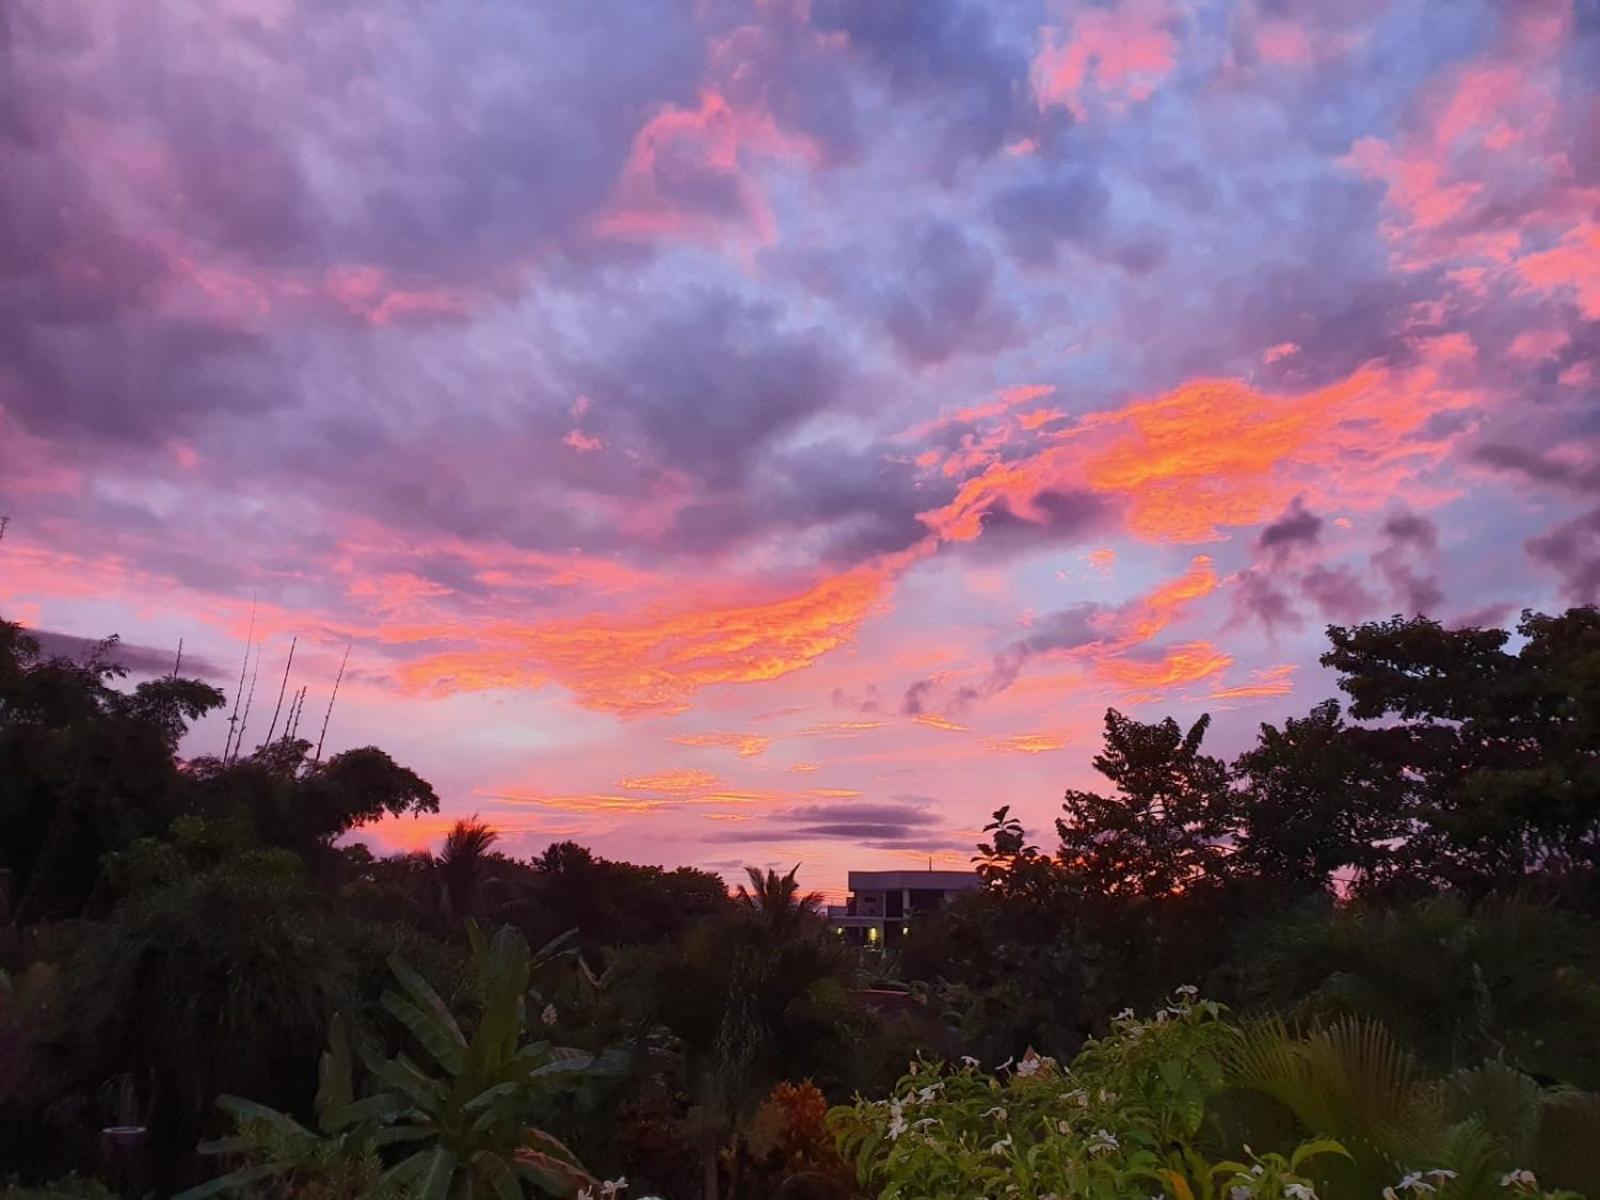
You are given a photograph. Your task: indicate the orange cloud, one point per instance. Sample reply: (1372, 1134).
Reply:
(657, 660)
(1271, 681)
(934, 721)
(679, 781)
(1214, 453)
(1186, 663)
(1028, 743)
(1156, 610)
(748, 745)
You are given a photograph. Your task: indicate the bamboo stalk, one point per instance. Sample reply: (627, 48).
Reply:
(282, 688)
(244, 665)
(331, 698)
(244, 722)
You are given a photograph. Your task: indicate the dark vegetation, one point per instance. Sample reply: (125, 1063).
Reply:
(1412, 877)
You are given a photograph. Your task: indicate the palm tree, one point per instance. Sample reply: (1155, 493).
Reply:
(775, 900)
(462, 862)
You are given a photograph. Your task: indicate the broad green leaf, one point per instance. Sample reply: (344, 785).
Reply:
(501, 1179)
(441, 1040)
(1314, 1148)
(235, 1180)
(441, 1170)
(335, 1074)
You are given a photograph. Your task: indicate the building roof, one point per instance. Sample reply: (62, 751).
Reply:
(890, 881)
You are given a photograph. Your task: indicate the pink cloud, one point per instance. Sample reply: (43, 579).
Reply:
(1105, 56)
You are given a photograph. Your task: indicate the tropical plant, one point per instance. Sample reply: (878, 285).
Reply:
(1467, 1136)
(1128, 1118)
(777, 901)
(1173, 1106)
(1456, 983)
(461, 865)
(466, 1123)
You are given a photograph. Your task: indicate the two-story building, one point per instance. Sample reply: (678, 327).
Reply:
(883, 904)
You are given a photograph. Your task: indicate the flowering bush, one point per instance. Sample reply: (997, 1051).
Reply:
(1143, 1112)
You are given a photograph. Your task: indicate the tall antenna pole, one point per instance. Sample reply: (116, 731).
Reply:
(321, 737)
(178, 662)
(291, 728)
(4, 521)
(282, 688)
(244, 721)
(233, 717)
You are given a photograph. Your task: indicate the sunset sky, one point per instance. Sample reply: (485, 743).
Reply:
(772, 432)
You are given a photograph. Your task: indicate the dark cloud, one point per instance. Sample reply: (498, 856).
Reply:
(945, 301)
(899, 825)
(1258, 595)
(1412, 542)
(711, 382)
(1059, 518)
(1572, 550)
(1297, 527)
(1338, 593)
(1540, 468)
(947, 57)
(1038, 216)
(139, 660)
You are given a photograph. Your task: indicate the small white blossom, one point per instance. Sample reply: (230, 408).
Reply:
(1412, 1181)
(996, 1111)
(1029, 1066)
(1006, 1066)
(1001, 1146)
(1191, 991)
(1441, 1173)
(1125, 1015)
(1241, 1192)
(1103, 1141)
(615, 1186)
(549, 1016)
(929, 1092)
(1519, 1179)
(968, 1061)
(1299, 1191)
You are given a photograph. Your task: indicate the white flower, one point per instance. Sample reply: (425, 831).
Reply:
(1125, 1015)
(1079, 1097)
(1242, 1192)
(586, 1194)
(1005, 1066)
(1107, 1097)
(929, 1092)
(1063, 1127)
(1441, 1173)
(1519, 1179)
(968, 1061)
(613, 1186)
(1029, 1066)
(1103, 1141)
(1000, 1146)
(1413, 1182)
(549, 1016)
(1191, 991)
(1299, 1191)
(897, 1123)
(996, 1111)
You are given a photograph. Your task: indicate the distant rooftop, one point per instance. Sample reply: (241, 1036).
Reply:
(949, 881)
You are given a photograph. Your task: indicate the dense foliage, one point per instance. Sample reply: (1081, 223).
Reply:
(1396, 904)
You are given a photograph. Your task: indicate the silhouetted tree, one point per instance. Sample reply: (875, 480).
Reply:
(1161, 831)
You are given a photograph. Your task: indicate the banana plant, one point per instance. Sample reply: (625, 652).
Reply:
(454, 1126)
